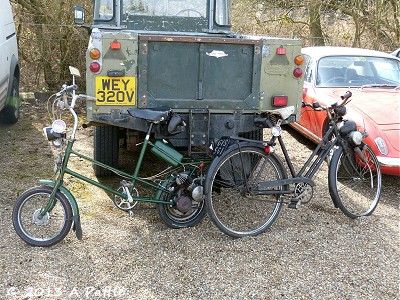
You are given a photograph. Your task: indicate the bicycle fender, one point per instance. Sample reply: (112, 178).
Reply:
(77, 220)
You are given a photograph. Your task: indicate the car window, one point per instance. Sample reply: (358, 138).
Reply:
(387, 69)
(188, 8)
(356, 71)
(308, 68)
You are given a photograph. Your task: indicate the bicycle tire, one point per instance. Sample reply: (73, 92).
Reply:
(174, 218)
(356, 193)
(48, 230)
(232, 181)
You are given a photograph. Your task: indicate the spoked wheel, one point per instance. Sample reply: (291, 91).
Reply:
(184, 211)
(235, 202)
(37, 228)
(355, 190)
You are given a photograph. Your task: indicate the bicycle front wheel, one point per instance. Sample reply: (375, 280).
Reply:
(234, 200)
(36, 228)
(355, 185)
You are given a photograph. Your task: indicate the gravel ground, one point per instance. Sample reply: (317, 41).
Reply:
(314, 252)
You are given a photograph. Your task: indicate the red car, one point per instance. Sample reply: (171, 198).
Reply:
(374, 79)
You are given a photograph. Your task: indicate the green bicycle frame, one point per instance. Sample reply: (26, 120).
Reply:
(158, 188)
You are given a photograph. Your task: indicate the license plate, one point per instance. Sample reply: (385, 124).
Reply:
(222, 144)
(115, 90)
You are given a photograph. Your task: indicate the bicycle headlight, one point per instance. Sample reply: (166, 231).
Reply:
(55, 131)
(356, 137)
(58, 126)
(341, 111)
(380, 143)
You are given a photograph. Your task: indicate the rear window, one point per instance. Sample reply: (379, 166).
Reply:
(154, 15)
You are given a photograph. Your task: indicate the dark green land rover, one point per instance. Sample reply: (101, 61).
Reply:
(182, 55)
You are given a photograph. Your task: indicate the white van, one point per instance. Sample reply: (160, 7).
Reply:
(9, 66)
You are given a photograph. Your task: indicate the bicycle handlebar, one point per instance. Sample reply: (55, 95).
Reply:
(86, 97)
(319, 107)
(67, 88)
(346, 96)
(63, 92)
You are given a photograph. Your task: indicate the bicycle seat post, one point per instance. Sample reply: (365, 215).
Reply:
(143, 150)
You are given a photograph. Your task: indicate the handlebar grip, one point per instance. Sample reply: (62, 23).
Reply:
(346, 96)
(87, 97)
(69, 88)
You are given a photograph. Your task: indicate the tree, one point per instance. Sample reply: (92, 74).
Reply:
(362, 23)
(48, 41)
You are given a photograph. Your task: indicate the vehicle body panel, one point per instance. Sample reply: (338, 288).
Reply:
(396, 53)
(373, 108)
(9, 52)
(181, 55)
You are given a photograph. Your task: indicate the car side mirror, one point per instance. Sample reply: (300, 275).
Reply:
(79, 15)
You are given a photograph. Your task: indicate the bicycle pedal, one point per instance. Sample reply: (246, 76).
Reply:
(130, 212)
(295, 204)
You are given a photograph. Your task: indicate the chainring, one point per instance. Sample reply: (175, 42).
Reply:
(124, 204)
(303, 192)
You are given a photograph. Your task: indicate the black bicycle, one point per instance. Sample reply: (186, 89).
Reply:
(247, 182)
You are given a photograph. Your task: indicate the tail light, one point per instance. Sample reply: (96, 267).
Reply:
(94, 67)
(297, 72)
(94, 53)
(267, 149)
(281, 50)
(115, 45)
(279, 100)
(298, 60)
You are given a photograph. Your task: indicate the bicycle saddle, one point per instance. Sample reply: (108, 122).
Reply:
(154, 116)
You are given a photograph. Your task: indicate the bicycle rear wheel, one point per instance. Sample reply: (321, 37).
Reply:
(356, 191)
(37, 230)
(233, 199)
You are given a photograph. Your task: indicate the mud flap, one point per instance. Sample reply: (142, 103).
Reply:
(77, 227)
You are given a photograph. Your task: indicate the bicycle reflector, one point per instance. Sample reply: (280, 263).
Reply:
(279, 100)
